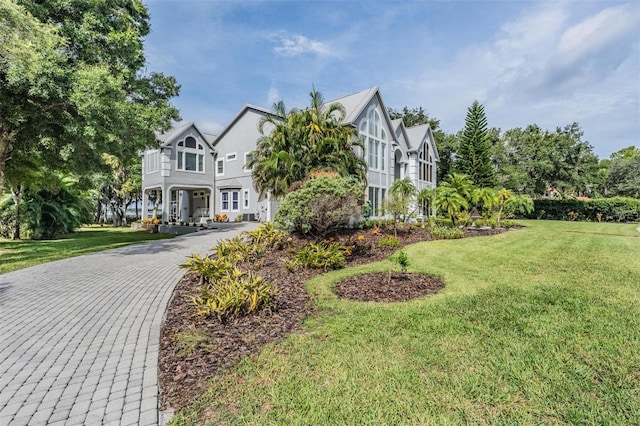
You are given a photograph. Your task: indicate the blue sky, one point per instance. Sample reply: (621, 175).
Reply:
(548, 63)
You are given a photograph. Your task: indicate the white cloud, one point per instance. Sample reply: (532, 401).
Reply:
(296, 44)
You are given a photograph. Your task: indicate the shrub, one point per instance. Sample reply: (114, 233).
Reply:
(319, 256)
(236, 294)
(206, 268)
(446, 233)
(441, 221)
(267, 236)
(321, 206)
(402, 260)
(388, 241)
(615, 209)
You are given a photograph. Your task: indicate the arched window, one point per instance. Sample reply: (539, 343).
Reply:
(425, 163)
(190, 155)
(375, 140)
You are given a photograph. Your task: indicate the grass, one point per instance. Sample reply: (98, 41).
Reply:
(535, 326)
(22, 254)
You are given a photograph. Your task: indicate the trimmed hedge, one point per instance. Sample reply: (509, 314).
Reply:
(616, 209)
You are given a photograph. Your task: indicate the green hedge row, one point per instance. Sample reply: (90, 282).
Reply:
(616, 209)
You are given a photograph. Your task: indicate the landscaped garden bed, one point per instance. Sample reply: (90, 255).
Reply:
(194, 349)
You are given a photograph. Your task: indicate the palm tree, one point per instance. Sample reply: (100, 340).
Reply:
(484, 198)
(450, 200)
(461, 183)
(298, 142)
(426, 199)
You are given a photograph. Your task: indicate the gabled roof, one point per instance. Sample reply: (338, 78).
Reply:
(398, 124)
(237, 118)
(170, 136)
(416, 136)
(355, 103)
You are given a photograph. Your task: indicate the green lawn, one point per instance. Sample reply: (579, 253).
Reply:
(22, 254)
(535, 326)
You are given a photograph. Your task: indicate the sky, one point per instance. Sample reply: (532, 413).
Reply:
(527, 62)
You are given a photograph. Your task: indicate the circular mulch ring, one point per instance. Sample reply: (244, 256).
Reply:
(375, 287)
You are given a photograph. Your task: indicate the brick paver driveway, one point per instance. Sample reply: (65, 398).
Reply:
(79, 337)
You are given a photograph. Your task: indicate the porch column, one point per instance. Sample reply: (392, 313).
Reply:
(212, 204)
(166, 204)
(145, 203)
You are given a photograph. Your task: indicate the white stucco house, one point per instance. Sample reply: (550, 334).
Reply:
(202, 175)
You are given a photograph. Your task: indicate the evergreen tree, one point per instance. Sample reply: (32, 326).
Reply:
(474, 153)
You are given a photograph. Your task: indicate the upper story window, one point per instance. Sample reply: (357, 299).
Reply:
(375, 141)
(232, 156)
(220, 167)
(152, 162)
(248, 157)
(190, 154)
(425, 163)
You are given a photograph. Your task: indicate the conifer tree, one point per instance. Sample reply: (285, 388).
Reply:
(474, 154)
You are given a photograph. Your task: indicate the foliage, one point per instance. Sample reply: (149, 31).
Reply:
(426, 200)
(236, 293)
(450, 201)
(83, 91)
(267, 236)
(48, 213)
(615, 209)
(399, 204)
(325, 256)
(445, 232)
(296, 143)
(533, 160)
(321, 206)
(402, 260)
(623, 175)
(474, 153)
(388, 241)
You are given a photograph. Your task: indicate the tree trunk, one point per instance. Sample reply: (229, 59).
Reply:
(17, 198)
(5, 139)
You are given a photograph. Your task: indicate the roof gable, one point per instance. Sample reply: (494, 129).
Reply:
(173, 134)
(238, 117)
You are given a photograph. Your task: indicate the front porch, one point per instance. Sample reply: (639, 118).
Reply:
(186, 205)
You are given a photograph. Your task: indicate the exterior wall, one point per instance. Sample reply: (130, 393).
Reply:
(238, 140)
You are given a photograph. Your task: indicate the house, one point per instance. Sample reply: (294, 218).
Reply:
(392, 151)
(180, 172)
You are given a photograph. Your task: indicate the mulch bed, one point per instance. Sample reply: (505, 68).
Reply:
(184, 375)
(376, 287)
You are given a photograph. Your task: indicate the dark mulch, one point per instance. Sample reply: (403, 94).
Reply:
(376, 287)
(184, 374)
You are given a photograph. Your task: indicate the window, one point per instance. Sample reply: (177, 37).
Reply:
(245, 199)
(190, 155)
(230, 200)
(232, 156)
(224, 196)
(220, 167)
(248, 157)
(374, 201)
(235, 201)
(152, 161)
(375, 136)
(425, 164)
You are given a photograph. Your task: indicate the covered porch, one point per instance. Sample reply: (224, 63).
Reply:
(180, 204)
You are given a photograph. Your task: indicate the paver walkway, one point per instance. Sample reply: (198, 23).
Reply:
(79, 337)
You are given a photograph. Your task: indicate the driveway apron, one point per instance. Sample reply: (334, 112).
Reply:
(79, 337)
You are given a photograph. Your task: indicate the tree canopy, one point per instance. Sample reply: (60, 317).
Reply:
(73, 84)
